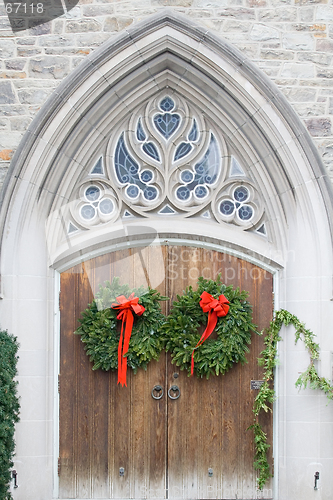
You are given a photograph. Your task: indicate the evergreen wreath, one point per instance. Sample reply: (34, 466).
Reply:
(100, 329)
(215, 356)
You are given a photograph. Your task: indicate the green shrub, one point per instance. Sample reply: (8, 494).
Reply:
(9, 409)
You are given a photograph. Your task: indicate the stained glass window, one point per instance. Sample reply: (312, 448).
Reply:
(243, 210)
(205, 173)
(128, 172)
(183, 149)
(150, 149)
(167, 104)
(193, 135)
(140, 133)
(167, 124)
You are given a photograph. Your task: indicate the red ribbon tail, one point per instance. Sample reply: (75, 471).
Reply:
(123, 346)
(212, 320)
(120, 354)
(192, 363)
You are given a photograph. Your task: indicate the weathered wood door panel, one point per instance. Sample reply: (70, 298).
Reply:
(166, 447)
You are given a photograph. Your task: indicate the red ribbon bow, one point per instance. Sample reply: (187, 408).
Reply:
(215, 308)
(126, 306)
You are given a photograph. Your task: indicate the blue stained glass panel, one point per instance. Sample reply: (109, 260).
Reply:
(227, 207)
(126, 168)
(98, 168)
(146, 176)
(132, 191)
(88, 212)
(92, 193)
(167, 104)
(208, 168)
(150, 193)
(201, 191)
(193, 135)
(187, 176)
(106, 206)
(245, 212)
(241, 194)
(183, 149)
(151, 150)
(167, 124)
(183, 193)
(140, 133)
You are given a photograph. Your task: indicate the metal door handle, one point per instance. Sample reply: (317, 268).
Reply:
(174, 388)
(159, 390)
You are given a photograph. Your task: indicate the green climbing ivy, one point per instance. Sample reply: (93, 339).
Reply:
(266, 394)
(9, 409)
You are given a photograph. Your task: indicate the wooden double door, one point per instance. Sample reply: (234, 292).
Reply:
(118, 442)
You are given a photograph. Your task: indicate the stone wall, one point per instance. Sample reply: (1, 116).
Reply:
(290, 40)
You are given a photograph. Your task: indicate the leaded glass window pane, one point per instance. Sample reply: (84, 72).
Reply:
(167, 124)
(92, 193)
(140, 133)
(150, 149)
(167, 104)
(183, 149)
(126, 168)
(193, 135)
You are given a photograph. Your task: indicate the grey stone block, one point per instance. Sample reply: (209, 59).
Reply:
(42, 29)
(15, 64)
(296, 94)
(49, 67)
(117, 23)
(26, 41)
(278, 14)
(28, 52)
(20, 123)
(276, 54)
(7, 95)
(298, 70)
(240, 13)
(91, 40)
(319, 127)
(7, 48)
(324, 73)
(323, 59)
(307, 110)
(298, 41)
(33, 96)
(97, 10)
(324, 46)
(82, 26)
(12, 110)
(56, 41)
(260, 32)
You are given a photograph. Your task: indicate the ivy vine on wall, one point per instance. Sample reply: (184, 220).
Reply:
(266, 395)
(9, 409)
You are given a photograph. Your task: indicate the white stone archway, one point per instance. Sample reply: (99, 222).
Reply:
(57, 154)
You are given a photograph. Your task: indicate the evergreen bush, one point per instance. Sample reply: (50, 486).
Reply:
(9, 409)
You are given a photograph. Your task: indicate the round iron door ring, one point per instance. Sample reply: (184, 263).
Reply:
(159, 390)
(174, 388)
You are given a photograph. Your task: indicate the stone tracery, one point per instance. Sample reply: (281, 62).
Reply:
(168, 154)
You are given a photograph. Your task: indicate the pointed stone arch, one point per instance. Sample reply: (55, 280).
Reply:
(58, 151)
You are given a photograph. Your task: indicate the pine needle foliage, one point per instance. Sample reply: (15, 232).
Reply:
(266, 394)
(100, 329)
(9, 409)
(181, 331)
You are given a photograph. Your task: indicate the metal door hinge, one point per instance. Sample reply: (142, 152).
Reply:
(273, 467)
(59, 383)
(59, 465)
(59, 301)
